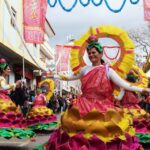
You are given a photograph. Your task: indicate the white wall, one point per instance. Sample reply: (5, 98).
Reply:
(10, 35)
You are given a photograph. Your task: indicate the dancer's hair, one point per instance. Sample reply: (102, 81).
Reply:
(3, 65)
(93, 43)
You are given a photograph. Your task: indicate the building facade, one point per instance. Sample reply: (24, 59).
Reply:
(12, 47)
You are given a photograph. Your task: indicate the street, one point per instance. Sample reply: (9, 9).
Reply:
(40, 139)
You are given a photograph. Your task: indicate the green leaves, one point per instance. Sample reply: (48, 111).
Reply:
(144, 138)
(16, 132)
(44, 126)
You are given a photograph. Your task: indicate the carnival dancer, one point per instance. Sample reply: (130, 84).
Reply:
(129, 102)
(12, 123)
(93, 122)
(128, 99)
(40, 117)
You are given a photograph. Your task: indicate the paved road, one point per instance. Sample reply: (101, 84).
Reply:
(40, 139)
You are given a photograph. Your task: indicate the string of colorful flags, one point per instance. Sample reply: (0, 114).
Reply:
(34, 14)
(52, 3)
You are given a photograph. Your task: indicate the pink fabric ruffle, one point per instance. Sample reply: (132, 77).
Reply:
(62, 141)
(4, 96)
(41, 119)
(142, 126)
(12, 120)
(97, 92)
(85, 105)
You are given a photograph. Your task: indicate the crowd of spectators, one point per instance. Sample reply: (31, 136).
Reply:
(60, 103)
(24, 97)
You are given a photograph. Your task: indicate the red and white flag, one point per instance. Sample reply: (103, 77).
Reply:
(146, 10)
(62, 57)
(34, 12)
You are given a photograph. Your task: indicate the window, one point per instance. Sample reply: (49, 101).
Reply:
(14, 12)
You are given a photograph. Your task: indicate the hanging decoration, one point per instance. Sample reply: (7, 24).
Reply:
(34, 13)
(106, 55)
(96, 4)
(146, 10)
(67, 9)
(62, 57)
(85, 3)
(52, 5)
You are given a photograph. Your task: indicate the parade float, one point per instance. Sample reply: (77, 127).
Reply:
(13, 129)
(40, 117)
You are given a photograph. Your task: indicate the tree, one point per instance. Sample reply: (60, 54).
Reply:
(141, 38)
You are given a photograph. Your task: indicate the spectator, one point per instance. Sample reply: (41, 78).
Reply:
(56, 104)
(64, 102)
(51, 103)
(18, 96)
(60, 103)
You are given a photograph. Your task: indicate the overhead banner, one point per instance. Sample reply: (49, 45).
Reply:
(34, 12)
(146, 10)
(62, 57)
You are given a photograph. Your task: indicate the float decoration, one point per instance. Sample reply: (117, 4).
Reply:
(8, 133)
(144, 138)
(49, 83)
(142, 80)
(47, 126)
(126, 59)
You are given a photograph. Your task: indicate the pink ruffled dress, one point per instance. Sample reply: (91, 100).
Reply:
(39, 113)
(10, 115)
(141, 120)
(92, 122)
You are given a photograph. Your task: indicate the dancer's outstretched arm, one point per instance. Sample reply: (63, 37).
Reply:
(121, 94)
(72, 77)
(122, 83)
(68, 77)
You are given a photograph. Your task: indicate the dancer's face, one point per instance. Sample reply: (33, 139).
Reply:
(6, 72)
(94, 55)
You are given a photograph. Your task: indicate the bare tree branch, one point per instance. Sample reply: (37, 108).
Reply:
(141, 38)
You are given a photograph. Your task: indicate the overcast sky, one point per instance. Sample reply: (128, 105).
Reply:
(78, 21)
